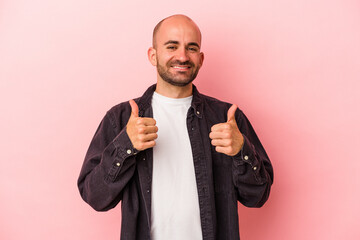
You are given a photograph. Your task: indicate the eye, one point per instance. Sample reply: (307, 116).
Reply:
(171, 47)
(193, 49)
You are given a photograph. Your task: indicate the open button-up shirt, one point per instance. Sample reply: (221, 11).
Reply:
(114, 171)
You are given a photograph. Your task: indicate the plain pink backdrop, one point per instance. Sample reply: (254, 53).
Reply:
(291, 66)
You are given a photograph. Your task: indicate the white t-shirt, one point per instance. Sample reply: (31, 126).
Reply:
(175, 203)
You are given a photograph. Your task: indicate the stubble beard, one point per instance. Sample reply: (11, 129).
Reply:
(180, 80)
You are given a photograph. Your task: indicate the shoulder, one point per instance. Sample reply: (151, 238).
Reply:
(121, 107)
(216, 104)
(217, 109)
(119, 114)
(212, 100)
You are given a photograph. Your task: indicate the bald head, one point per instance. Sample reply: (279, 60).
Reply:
(171, 21)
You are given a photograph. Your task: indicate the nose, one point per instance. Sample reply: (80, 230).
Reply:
(182, 54)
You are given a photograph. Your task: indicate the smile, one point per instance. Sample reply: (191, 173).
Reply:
(181, 67)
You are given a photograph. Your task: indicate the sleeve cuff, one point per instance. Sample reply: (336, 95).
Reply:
(247, 154)
(124, 146)
(123, 149)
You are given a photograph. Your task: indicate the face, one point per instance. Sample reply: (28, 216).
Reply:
(177, 55)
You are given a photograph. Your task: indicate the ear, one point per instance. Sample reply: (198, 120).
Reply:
(201, 58)
(152, 56)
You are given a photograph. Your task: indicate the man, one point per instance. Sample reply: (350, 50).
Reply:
(177, 160)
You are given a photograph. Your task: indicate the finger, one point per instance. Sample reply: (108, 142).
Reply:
(231, 113)
(221, 142)
(146, 145)
(146, 121)
(221, 149)
(147, 137)
(147, 129)
(220, 127)
(134, 108)
(220, 135)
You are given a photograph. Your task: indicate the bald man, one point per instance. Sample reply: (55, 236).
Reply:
(176, 159)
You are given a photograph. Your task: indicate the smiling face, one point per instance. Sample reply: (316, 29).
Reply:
(176, 51)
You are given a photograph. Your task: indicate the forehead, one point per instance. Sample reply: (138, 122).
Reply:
(178, 29)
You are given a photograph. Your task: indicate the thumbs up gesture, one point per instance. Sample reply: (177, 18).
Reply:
(226, 137)
(141, 131)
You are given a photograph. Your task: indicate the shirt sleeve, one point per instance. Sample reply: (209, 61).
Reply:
(108, 166)
(252, 169)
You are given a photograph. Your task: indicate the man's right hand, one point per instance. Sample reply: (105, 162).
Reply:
(141, 131)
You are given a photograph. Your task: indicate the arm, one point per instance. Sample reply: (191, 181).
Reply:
(252, 171)
(108, 166)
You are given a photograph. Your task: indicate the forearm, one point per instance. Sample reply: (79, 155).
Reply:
(252, 169)
(108, 166)
(252, 175)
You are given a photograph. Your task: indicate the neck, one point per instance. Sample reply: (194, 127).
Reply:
(171, 91)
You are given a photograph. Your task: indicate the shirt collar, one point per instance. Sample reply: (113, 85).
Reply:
(145, 101)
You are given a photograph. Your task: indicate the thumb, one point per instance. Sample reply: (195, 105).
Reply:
(231, 113)
(134, 108)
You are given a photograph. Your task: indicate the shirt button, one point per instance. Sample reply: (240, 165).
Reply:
(197, 112)
(128, 151)
(246, 157)
(118, 164)
(254, 168)
(143, 159)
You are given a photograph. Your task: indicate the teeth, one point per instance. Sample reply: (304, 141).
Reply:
(178, 67)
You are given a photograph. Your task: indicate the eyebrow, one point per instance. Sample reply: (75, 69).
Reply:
(177, 42)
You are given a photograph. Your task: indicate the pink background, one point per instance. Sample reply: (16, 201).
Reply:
(292, 66)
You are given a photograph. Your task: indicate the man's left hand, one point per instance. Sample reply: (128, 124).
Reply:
(226, 137)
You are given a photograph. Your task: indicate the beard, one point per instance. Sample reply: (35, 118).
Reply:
(180, 79)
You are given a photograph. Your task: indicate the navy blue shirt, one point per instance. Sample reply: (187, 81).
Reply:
(114, 171)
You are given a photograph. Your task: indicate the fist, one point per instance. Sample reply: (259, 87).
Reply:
(141, 131)
(226, 137)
